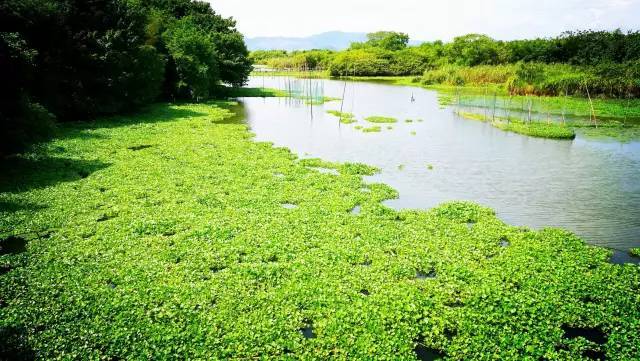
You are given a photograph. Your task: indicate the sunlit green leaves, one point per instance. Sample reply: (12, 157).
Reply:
(174, 243)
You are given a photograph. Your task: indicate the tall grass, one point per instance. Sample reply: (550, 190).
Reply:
(466, 75)
(603, 80)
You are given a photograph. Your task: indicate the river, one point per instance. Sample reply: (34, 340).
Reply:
(590, 187)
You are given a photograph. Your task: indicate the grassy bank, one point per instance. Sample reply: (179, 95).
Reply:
(172, 234)
(235, 92)
(314, 74)
(533, 129)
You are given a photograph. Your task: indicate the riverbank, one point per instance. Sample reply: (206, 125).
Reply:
(172, 234)
(534, 129)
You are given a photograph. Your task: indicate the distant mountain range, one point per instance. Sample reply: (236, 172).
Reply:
(333, 40)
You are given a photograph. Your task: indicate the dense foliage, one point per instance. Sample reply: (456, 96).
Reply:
(192, 241)
(261, 56)
(75, 59)
(603, 63)
(387, 40)
(295, 60)
(620, 80)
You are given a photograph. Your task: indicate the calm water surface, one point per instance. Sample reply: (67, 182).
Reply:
(591, 187)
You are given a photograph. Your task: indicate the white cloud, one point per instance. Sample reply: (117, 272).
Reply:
(428, 19)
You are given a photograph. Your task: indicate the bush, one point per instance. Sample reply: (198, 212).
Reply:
(22, 121)
(359, 63)
(410, 61)
(262, 56)
(607, 79)
(80, 59)
(464, 75)
(26, 124)
(193, 54)
(299, 60)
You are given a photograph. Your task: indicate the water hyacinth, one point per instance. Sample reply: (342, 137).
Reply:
(379, 119)
(185, 250)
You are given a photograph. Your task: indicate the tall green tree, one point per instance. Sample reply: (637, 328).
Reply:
(473, 49)
(203, 49)
(76, 59)
(388, 40)
(194, 57)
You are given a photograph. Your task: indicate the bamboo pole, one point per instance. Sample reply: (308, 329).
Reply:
(593, 112)
(354, 85)
(484, 102)
(495, 98)
(311, 97)
(626, 110)
(564, 105)
(344, 89)
(548, 113)
(508, 110)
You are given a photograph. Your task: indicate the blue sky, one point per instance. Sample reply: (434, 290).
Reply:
(428, 19)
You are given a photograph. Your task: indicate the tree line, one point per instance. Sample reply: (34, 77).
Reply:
(65, 60)
(606, 61)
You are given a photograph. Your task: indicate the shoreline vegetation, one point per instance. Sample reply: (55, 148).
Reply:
(585, 74)
(77, 60)
(614, 118)
(191, 231)
(515, 125)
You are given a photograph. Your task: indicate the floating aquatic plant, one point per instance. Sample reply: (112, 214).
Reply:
(374, 129)
(200, 260)
(346, 118)
(550, 130)
(379, 119)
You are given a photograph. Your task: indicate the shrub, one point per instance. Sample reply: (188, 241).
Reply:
(464, 75)
(193, 52)
(359, 62)
(26, 123)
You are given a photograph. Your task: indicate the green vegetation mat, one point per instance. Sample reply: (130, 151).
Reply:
(374, 129)
(236, 92)
(171, 234)
(346, 118)
(379, 119)
(549, 130)
(317, 101)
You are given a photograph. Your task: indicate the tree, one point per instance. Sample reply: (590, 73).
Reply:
(359, 62)
(22, 120)
(194, 57)
(388, 40)
(89, 54)
(231, 63)
(77, 59)
(473, 49)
